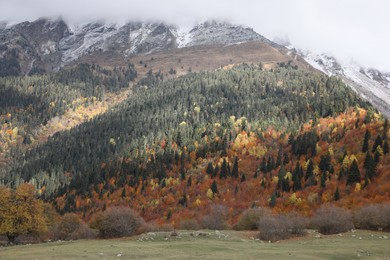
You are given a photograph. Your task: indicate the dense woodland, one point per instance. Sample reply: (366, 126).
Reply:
(286, 139)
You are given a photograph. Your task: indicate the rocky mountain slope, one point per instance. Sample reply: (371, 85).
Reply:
(46, 45)
(373, 85)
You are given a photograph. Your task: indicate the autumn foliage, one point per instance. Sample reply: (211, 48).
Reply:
(20, 212)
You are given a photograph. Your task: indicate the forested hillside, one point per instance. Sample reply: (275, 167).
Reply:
(286, 138)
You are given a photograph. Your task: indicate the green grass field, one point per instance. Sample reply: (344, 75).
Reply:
(211, 245)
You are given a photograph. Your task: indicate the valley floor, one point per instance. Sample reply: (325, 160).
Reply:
(212, 245)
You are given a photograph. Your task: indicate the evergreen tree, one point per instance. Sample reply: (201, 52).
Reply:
(297, 177)
(353, 174)
(378, 142)
(183, 200)
(235, 168)
(369, 166)
(281, 175)
(386, 147)
(367, 137)
(263, 166)
(182, 175)
(210, 169)
(216, 171)
(279, 158)
(377, 156)
(309, 170)
(286, 160)
(325, 163)
(272, 201)
(214, 187)
(224, 171)
(337, 194)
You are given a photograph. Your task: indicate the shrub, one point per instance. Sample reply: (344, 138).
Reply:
(250, 218)
(332, 220)
(189, 224)
(298, 224)
(71, 227)
(217, 217)
(373, 217)
(117, 222)
(273, 228)
(83, 232)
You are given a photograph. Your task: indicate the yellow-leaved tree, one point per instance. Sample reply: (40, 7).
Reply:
(20, 212)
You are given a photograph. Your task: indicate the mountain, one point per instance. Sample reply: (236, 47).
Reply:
(372, 84)
(47, 45)
(171, 121)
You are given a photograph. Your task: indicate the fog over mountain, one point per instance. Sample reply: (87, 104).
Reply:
(349, 30)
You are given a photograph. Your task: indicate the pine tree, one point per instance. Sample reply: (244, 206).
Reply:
(183, 200)
(281, 175)
(223, 173)
(210, 169)
(297, 176)
(279, 158)
(272, 201)
(325, 163)
(263, 166)
(386, 147)
(337, 194)
(353, 174)
(235, 168)
(369, 165)
(323, 180)
(377, 156)
(378, 142)
(286, 160)
(214, 187)
(309, 170)
(182, 175)
(216, 171)
(367, 137)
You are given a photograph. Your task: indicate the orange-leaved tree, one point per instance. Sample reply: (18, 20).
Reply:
(20, 212)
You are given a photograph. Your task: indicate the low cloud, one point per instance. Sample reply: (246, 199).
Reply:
(349, 29)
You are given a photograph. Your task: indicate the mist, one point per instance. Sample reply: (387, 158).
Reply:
(350, 30)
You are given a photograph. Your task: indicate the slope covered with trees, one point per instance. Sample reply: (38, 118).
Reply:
(238, 138)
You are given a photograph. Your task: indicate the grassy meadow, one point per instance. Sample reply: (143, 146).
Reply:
(211, 245)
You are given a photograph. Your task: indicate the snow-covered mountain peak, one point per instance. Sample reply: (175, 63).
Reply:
(373, 85)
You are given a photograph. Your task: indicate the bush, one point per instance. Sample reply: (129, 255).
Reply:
(250, 218)
(117, 222)
(298, 224)
(273, 228)
(373, 217)
(71, 227)
(332, 220)
(189, 224)
(217, 217)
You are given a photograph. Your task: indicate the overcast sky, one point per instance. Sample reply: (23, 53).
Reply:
(347, 29)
